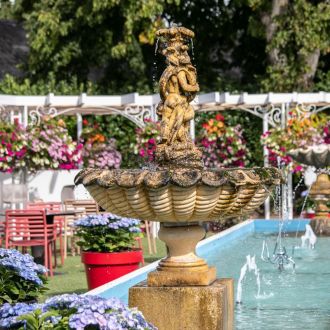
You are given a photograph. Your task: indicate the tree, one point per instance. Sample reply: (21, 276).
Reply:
(297, 35)
(241, 45)
(94, 40)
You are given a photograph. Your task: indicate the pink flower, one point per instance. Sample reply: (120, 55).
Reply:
(298, 168)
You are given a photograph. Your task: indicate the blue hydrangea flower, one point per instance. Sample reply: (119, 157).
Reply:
(107, 314)
(22, 264)
(9, 313)
(110, 220)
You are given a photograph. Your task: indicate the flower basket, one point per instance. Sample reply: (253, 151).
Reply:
(107, 241)
(102, 267)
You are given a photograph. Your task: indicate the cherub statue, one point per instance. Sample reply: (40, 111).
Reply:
(178, 87)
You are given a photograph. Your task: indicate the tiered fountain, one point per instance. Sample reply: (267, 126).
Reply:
(318, 156)
(183, 292)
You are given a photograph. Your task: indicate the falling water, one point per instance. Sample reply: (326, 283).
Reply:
(305, 201)
(309, 237)
(297, 186)
(192, 50)
(155, 68)
(156, 47)
(279, 256)
(249, 266)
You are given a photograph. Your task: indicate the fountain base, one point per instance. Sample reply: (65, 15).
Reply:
(181, 266)
(182, 277)
(186, 307)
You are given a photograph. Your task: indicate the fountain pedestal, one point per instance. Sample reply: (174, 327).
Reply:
(182, 266)
(320, 193)
(186, 307)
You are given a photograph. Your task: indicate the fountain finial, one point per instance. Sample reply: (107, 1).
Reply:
(177, 87)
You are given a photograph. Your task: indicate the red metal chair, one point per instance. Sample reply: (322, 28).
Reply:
(58, 221)
(2, 231)
(29, 228)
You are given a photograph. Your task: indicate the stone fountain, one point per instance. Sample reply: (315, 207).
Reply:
(319, 157)
(180, 193)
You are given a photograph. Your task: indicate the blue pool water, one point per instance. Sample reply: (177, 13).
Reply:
(288, 300)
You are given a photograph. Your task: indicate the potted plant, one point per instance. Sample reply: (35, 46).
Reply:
(21, 279)
(72, 311)
(107, 243)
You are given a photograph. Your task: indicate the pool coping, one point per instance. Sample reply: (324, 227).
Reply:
(229, 235)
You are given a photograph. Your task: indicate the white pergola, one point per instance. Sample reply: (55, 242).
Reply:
(272, 108)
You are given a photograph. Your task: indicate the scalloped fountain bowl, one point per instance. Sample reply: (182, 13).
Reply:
(181, 195)
(318, 155)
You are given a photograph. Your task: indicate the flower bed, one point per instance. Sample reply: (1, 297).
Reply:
(224, 146)
(13, 147)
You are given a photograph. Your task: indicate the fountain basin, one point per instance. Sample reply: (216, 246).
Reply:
(181, 195)
(301, 300)
(318, 155)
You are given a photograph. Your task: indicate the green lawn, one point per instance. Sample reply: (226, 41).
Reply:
(71, 277)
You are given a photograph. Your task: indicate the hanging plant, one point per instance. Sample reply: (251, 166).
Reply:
(51, 146)
(303, 130)
(146, 140)
(42, 147)
(13, 147)
(224, 146)
(99, 151)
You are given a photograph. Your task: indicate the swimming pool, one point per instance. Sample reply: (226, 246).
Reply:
(287, 300)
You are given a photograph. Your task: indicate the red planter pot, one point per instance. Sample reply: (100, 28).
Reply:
(103, 267)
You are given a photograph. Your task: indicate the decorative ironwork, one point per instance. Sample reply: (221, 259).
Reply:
(40, 112)
(273, 113)
(138, 114)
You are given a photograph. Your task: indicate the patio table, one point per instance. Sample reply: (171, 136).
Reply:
(38, 251)
(52, 214)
